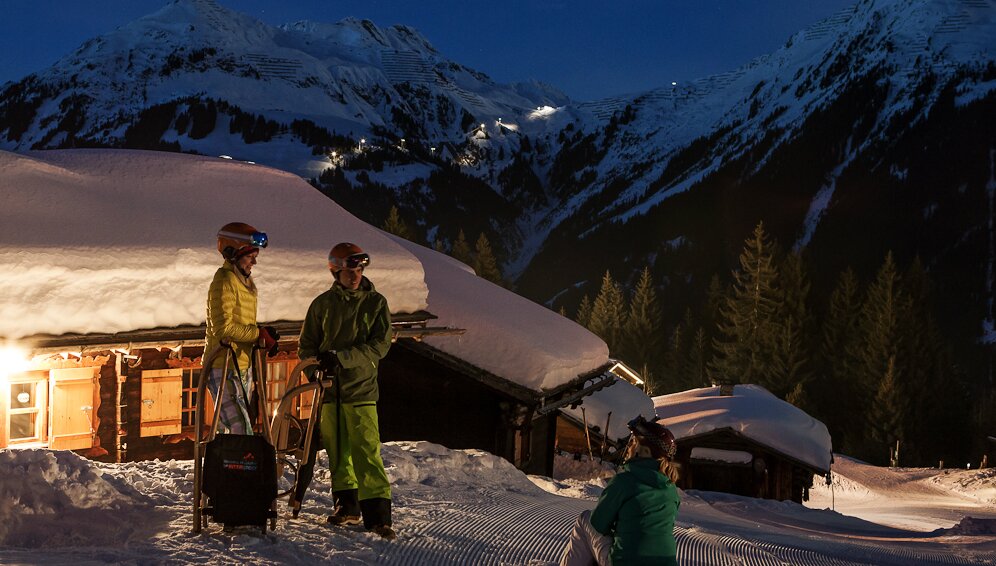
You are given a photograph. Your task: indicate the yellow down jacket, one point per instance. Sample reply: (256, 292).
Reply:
(231, 314)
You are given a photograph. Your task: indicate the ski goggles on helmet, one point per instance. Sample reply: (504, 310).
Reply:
(259, 239)
(639, 426)
(654, 436)
(256, 239)
(356, 261)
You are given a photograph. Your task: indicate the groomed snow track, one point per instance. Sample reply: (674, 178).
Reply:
(512, 528)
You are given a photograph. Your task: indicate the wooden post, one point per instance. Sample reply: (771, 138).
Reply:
(605, 436)
(587, 435)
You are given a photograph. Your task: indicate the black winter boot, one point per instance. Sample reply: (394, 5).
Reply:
(347, 508)
(377, 516)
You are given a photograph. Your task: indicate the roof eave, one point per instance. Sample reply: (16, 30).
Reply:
(756, 442)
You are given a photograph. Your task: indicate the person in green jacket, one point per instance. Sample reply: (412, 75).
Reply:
(231, 316)
(348, 328)
(633, 522)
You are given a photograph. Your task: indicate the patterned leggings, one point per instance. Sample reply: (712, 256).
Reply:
(234, 407)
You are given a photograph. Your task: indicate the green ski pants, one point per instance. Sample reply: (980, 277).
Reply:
(354, 453)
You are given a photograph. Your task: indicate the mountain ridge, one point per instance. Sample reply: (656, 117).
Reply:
(542, 176)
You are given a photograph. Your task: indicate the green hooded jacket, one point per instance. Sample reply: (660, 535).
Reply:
(357, 325)
(638, 508)
(231, 314)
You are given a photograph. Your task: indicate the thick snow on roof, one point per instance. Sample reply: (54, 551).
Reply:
(111, 240)
(753, 412)
(116, 240)
(507, 334)
(622, 399)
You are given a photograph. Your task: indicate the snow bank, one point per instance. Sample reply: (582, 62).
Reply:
(435, 465)
(454, 507)
(753, 412)
(56, 498)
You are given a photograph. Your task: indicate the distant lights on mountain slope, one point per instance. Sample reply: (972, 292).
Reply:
(542, 112)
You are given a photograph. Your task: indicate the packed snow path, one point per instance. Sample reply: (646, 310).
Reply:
(451, 507)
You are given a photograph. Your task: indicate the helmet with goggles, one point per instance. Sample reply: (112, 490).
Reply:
(237, 239)
(654, 436)
(346, 255)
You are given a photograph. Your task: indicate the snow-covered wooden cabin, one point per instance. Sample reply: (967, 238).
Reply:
(597, 427)
(105, 264)
(742, 439)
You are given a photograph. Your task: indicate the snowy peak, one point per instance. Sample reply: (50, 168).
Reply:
(356, 35)
(337, 81)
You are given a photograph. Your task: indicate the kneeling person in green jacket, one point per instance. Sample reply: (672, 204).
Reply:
(633, 522)
(348, 328)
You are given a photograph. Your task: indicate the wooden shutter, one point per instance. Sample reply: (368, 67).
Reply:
(162, 392)
(75, 396)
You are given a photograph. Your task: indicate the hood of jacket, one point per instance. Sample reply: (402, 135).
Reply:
(647, 471)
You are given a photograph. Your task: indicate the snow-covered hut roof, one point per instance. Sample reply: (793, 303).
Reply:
(105, 241)
(753, 412)
(624, 400)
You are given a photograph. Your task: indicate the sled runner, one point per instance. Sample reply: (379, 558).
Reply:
(235, 475)
(296, 438)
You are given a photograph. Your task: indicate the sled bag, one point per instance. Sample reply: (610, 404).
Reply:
(240, 478)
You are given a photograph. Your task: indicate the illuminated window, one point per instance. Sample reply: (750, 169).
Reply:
(26, 414)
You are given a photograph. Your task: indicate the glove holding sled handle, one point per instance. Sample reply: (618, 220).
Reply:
(268, 337)
(329, 362)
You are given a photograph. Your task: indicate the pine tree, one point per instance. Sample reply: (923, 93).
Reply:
(484, 261)
(938, 394)
(675, 363)
(642, 334)
(395, 225)
(890, 412)
(461, 250)
(697, 374)
(715, 299)
(746, 339)
(584, 312)
(837, 360)
(608, 313)
(878, 351)
(791, 355)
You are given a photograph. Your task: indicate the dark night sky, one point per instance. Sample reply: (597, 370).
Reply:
(589, 49)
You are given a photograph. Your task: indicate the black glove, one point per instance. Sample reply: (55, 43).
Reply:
(329, 362)
(268, 337)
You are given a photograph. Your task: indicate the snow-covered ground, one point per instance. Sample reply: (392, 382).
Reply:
(469, 507)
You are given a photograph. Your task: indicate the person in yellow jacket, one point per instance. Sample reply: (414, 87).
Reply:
(231, 316)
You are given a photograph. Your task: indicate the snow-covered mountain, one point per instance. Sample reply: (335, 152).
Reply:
(828, 130)
(342, 75)
(867, 132)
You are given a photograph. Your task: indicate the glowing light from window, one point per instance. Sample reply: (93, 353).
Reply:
(13, 360)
